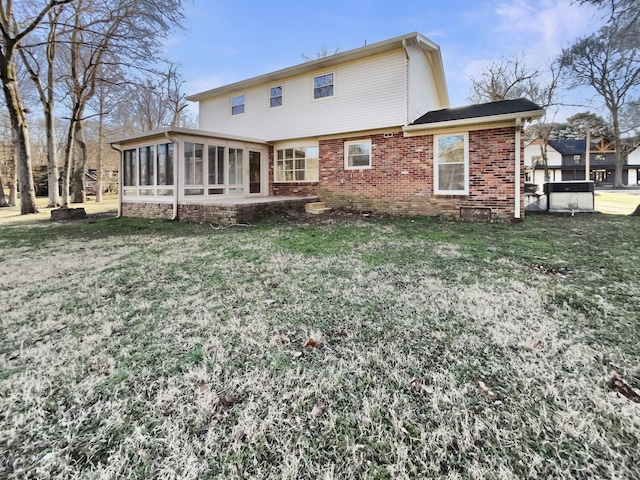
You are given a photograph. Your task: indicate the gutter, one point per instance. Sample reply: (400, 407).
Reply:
(517, 169)
(176, 171)
(118, 149)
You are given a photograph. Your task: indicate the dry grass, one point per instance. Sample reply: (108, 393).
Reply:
(137, 349)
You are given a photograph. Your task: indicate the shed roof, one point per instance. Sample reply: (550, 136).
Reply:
(509, 108)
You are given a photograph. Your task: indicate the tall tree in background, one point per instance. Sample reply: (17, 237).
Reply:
(33, 57)
(512, 78)
(608, 62)
(108, 36)
(13, 31)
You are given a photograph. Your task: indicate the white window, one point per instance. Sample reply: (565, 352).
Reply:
(275, 96)
(357, 154)
(323, 86)
(297, 164)
(451, 164)
(576, 158)
(237, 105)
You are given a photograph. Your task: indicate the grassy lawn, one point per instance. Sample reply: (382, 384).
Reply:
(149, 349)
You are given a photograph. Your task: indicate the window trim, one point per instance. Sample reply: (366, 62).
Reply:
(333, 86)
(436, 166)
(232, 106)
(346, 154)
(281, 96)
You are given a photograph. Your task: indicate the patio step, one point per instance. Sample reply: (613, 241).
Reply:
(316, 207)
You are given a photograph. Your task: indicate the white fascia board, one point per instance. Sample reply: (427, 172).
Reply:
(414, 38)
(181, 131)
(464, 122)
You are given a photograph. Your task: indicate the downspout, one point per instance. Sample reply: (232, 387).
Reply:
(517, 172)
(117, 148)
(176, 171)
(407, 81)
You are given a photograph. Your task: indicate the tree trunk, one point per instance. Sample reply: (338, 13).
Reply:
(20, 131)
(13, 192)
(77, 177)
(52, 161)
(98, 187)
(3, 200)
(617, 181)
(66, 169)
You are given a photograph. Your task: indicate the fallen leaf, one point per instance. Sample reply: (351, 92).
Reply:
(617, 383)
(416, 384)
(60, 327)
(317, 410)
(311, 342)
(296, 355)
(537, 345)
(202, 386)
(229, 400)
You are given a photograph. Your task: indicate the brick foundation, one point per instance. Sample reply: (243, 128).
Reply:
(147, 210)
(219, 214)
(400, 181)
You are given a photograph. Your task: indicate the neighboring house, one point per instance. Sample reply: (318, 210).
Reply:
(566, 162)
(366, 129)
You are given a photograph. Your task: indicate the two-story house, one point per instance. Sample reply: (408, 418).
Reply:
(366, 129)
(566, 161)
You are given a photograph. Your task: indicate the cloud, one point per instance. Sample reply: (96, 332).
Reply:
(542, 29)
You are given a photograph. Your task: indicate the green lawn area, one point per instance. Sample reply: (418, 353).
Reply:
(149, 349)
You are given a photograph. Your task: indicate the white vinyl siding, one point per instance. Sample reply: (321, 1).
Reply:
(369, 93)
(423, 94)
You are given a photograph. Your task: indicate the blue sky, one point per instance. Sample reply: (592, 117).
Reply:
(229, 41)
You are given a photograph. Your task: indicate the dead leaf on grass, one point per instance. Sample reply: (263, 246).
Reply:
(311, 342)
(537, 345)
(416, 384)
(60, 327)
(202, 386)
(280, 339)
(317, 410)
(228, 400)
(617, 383)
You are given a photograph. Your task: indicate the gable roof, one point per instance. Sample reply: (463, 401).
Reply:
(506, 109)
(570, 146)
(410, 39)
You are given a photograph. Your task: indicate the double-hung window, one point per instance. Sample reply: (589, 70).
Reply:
(323, 86)
(237, 105)
(275, 96)
(451, 164)
(357, 154)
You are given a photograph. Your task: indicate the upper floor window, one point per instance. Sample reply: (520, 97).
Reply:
(323, 86)
(275, 96)
(451, 164)
(357, 154)
(237, 105)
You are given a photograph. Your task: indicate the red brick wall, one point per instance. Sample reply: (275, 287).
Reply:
(400, 181)
(295, 189)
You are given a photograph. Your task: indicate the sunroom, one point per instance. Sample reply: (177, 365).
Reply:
(188, 174)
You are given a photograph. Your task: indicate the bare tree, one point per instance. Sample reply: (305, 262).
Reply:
(505, 79)
(610, 64)
(509, 79)
(46, 92)
(13, 31)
